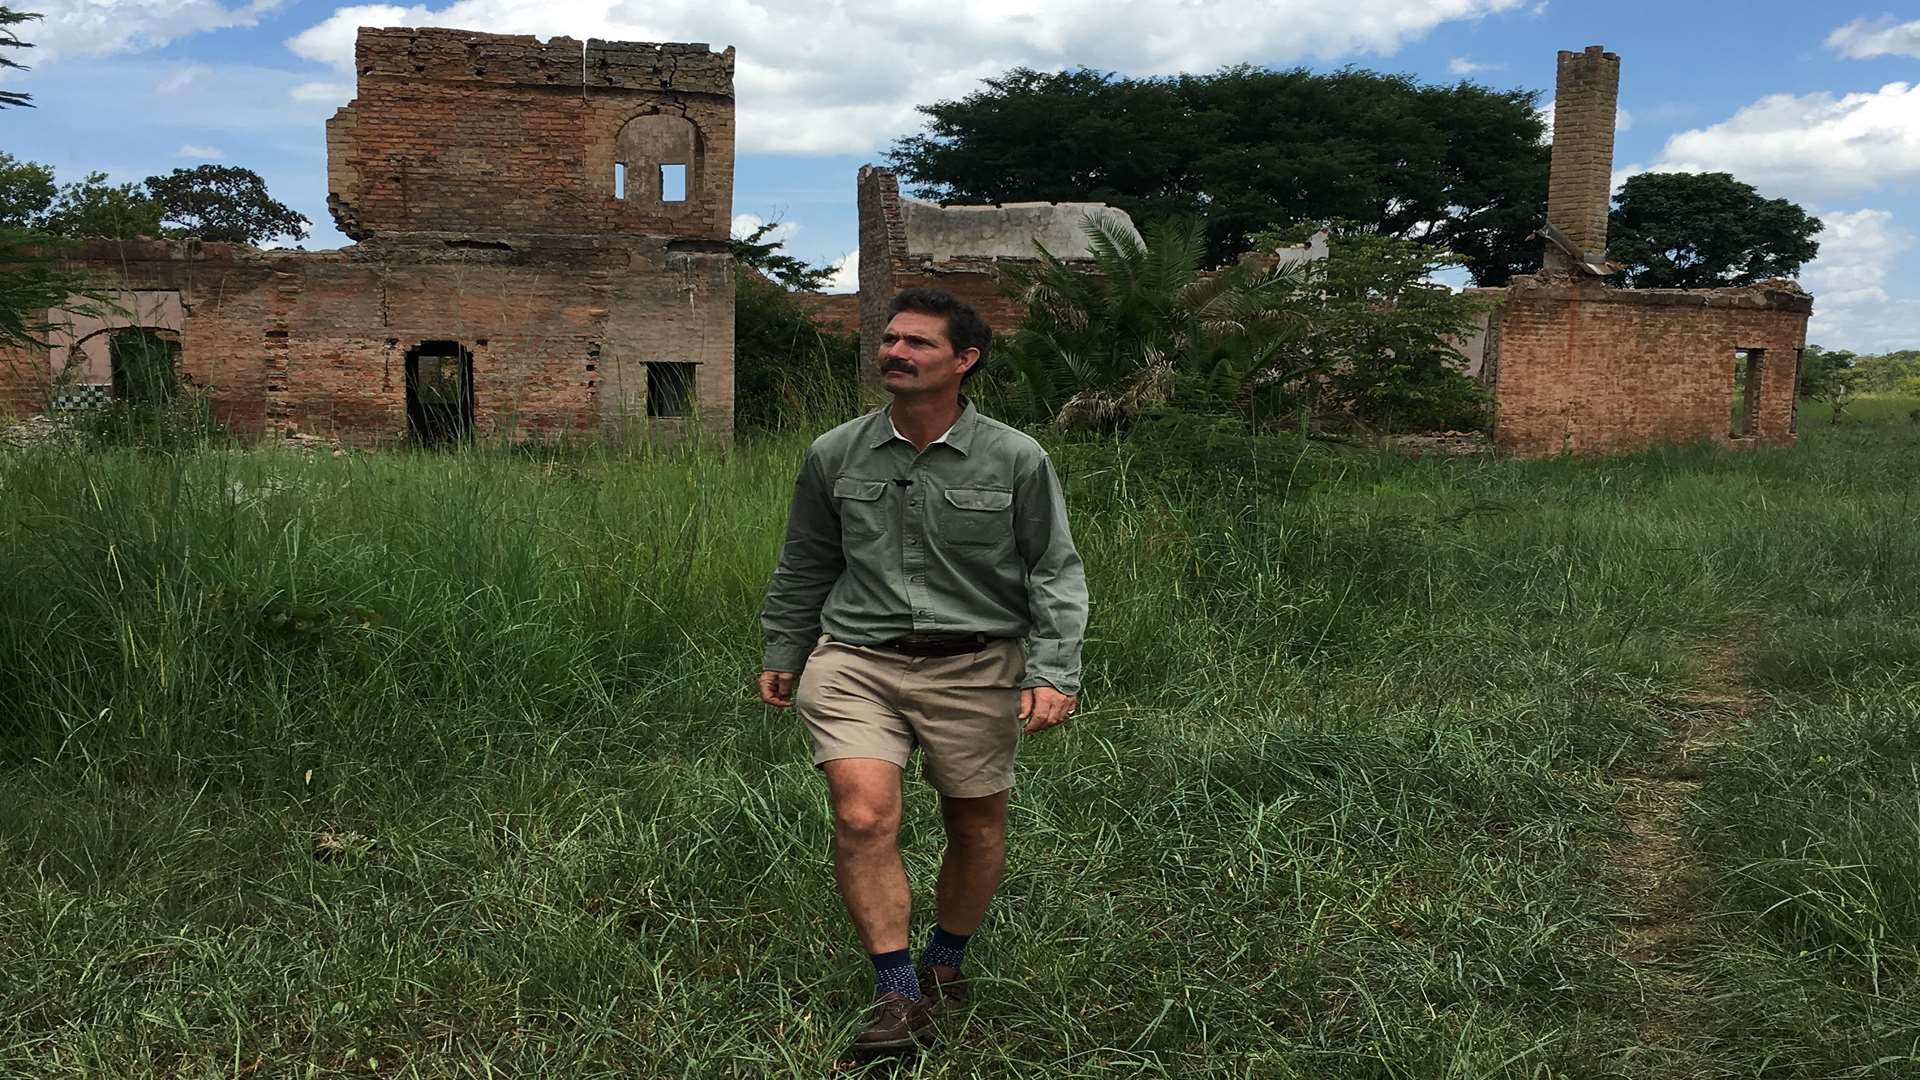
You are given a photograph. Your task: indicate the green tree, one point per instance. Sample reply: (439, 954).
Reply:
(95, 208)
(1359, 335)
(223, 203)
(1461, 168)
(787, 368)
(1703, 230)
(1888, 373)
(26, 191)
(10, 39)
(760, 253)
(1830, 377)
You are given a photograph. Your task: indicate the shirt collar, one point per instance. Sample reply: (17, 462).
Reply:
(959, 436)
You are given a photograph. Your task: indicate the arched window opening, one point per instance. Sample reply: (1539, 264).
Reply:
(439, 393)
(657, 159)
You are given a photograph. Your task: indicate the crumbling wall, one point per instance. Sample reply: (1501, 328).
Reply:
(1588, 369)
(1579, 367)
(908, 243)
(494, 134)
(477, 172)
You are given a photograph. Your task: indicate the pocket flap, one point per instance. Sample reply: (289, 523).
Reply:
(979, 498)
(847, 487)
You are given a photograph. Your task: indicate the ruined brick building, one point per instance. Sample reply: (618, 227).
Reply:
(1577, 366)
(1574, 365)
(541, 250)
(907, 243)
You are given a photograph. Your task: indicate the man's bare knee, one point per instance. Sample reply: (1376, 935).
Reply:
(863, 822)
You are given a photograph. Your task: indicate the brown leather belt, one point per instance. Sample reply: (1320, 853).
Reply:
(937, 644)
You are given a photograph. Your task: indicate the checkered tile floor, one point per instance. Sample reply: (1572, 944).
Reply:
(87, 396)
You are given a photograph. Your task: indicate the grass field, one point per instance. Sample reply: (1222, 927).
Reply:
(411, 765)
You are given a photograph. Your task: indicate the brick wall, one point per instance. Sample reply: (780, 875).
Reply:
(315, 343)
(492, 134)
(1583, 368)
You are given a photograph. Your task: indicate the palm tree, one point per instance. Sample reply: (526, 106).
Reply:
(1144, 327)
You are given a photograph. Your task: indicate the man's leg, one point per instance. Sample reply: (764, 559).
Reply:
(976, 853)
(865, 795)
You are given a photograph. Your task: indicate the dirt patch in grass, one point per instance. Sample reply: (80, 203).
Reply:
(1657, 865)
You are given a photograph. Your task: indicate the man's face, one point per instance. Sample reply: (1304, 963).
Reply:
(917, 358)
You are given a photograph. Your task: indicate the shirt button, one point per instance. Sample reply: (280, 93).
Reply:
(917, 578)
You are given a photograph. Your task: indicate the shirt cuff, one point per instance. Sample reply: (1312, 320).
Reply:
(784, 656)
(1068, 687)
(1052, 662)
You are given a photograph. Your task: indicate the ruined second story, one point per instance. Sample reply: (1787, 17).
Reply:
(455, 132)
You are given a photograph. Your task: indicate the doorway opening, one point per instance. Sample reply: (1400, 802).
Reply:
(439, 393)
(144, 364)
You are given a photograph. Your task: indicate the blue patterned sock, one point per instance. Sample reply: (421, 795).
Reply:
(893, 972)
(945, 949)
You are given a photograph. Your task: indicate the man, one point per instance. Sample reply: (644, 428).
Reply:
(928, 595)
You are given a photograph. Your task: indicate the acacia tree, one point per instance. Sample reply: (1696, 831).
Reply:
(223, 203)
(10, 39)
(1461, 168)
(1705, 230)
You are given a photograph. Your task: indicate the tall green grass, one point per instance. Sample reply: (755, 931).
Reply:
(448, 764)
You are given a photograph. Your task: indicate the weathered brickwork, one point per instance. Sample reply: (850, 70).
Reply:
(1588, 369)
(890, 261)
(1579, 188)
(477, 173)
(1578, 367)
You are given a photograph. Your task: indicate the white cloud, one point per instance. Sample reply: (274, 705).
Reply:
(182, 77)
(846, 274)
(744, 226)
(203, 153)
(1863, 39)
(1851, 306)
(1809, 145)
(818, 77)
(336, 92)
(1460, 65)
(102, 27)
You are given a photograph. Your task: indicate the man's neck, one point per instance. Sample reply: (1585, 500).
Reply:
(923, 419)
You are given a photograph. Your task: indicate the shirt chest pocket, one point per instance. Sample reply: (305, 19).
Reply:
(975, 517)
(861, 504)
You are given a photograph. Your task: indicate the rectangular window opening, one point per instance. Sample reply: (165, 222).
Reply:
(1749, 370)
(669, 389)
(619, 180)
(673, 183)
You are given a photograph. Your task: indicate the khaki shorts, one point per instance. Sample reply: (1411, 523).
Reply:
(963, 712)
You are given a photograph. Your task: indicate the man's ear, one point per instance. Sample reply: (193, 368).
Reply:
(969, 357)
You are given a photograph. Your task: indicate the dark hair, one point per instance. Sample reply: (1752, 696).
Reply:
(965, 328)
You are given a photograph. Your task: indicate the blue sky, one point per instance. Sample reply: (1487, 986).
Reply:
(1818, 103)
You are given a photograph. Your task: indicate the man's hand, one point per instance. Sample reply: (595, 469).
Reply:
(1043, 706)
(776, 688)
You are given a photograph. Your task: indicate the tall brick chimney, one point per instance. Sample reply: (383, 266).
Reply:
(1580, 188)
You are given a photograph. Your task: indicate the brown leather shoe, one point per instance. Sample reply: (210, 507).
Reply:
(944, 994)
(896, 1023)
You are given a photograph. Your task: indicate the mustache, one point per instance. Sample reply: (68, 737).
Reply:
(897, 364)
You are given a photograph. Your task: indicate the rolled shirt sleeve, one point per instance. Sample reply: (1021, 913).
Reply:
(1056, 581)
(810, 563)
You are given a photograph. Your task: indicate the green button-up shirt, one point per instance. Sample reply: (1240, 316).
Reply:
(967, 536)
